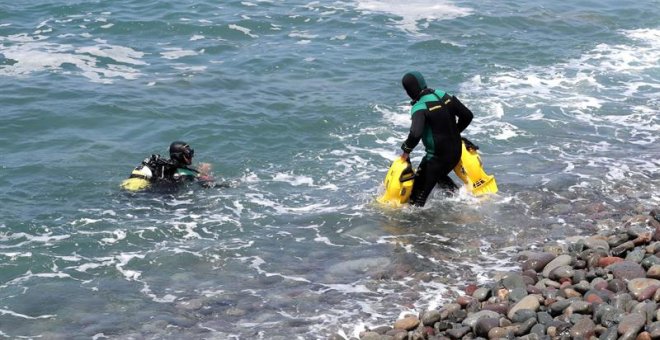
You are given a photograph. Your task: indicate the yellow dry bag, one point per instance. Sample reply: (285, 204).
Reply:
(398, 183)
(470, 170)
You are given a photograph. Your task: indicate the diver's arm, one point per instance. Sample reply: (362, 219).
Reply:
(415, 134)
(463, 113)
(204, 177)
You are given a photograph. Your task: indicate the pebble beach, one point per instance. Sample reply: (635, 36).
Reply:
(602, 286)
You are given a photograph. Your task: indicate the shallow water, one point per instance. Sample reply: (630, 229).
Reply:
(299, 106)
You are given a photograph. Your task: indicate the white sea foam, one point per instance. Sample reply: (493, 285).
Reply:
(302, 35)
(243, 30)
(122, 260)
(256, 262)
(579, 88)
(118, 236)
(33, 54)
(415, 12)
(23, 316)
(295, 180)
(176, 53)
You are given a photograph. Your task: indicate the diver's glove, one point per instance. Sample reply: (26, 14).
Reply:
(405, 148)
(469, 145)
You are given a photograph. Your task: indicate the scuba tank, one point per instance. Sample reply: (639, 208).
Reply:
(151, 169)
(139, 179)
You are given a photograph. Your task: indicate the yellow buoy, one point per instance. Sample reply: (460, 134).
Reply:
(398, 183)
(400, 177)
(470, 170)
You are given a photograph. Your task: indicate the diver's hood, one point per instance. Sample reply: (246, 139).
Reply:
(414, 83)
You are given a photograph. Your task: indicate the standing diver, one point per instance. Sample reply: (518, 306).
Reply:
(434, 121)
(176, 170)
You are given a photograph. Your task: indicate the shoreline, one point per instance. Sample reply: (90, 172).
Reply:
(600, 286)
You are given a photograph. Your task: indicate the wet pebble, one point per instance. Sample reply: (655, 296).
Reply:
(407, 323)
(605, 286)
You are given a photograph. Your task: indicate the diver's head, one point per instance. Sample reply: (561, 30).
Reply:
(414, 83)
(181, 153)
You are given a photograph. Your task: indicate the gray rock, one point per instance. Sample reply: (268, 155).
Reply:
(580, 275)
(472, 319)
(639, 286)
(481, 294)
(653, 272)
(499, 333)
(525, 327)
(627, 270)
(529, 302)
(543, 317)
(562, 272)
(582, 286)
(561, 260)
(431, 317)
(441, 326)
(579, 306)
(523, 315)
(484, 325)
(617, 239)
(622, 248)
(373, 336)
(583, 329)
(381, 329)
(449, 309)
(538, 329)
(517, 294)
(636, 255)
(620, 300)
(559, 306)
(616, 285)
(596, 242)
(457, 333)
(535, 260)
(513, 280)
(610, 334)
(630, 325)
(654, 330)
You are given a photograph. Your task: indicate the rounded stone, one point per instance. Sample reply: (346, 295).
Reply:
(653, 272)
(481, 294)
(561, 260)
(639, 285)
(408, 323)
(562, 272)
(484, 325)
(530, 302)
(606, 261)
(631, 323)
(431, 317)
(472, 319)
(583, 329)
(596, 242)
(627, 270)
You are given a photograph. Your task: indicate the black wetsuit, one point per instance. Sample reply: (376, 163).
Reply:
(438, 120)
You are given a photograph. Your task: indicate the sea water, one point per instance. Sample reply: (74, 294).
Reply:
(299, 106)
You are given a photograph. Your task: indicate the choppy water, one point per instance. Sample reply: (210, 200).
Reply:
(299, 105)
